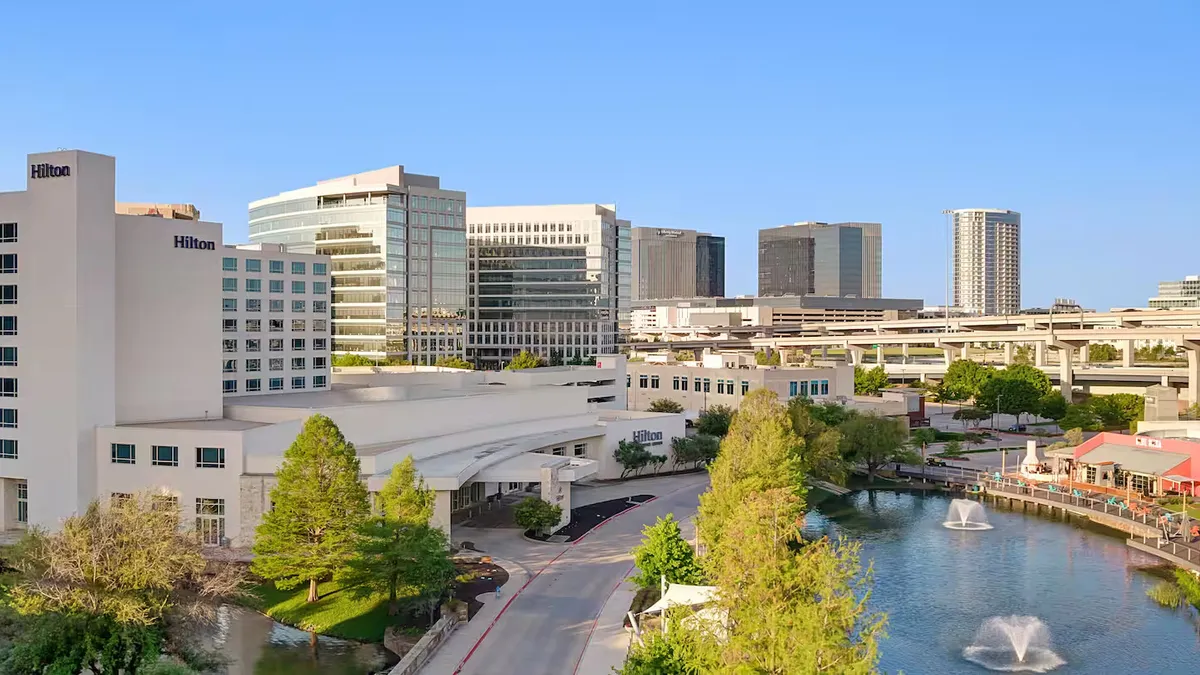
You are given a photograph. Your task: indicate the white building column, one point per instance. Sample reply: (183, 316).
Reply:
(556, 492)
(441, 511)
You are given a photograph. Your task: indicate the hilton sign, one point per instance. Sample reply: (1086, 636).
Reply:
(48, 171)
(645, 436)
(192, 242)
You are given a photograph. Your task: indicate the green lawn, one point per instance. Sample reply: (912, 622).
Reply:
(337, 613)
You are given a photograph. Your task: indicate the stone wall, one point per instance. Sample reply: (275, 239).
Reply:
(424, 650)
(255, 493)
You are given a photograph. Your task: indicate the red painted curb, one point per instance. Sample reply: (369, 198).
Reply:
(478, 642)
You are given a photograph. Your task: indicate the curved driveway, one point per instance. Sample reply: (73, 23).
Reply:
(545, 628)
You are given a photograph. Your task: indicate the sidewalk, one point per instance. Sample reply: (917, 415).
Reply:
(463, 640)
(609, 642)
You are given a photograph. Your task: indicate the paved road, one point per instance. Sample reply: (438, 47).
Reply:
(545, 629)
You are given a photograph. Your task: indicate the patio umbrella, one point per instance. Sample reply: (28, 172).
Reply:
(1190, 482)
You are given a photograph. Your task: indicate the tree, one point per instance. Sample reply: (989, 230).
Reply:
(763, 359)
(953, 449)
(536, 514)
(920, 439)
(1074, 437)
(715, 421)
(1052, 406)
(319, 504)
(663, 552)
(555, 358)
(665, 405)
(971, 415)
(1102, 351)
(869, 382)
(965, 378)
(1079, 416)
(1116, 410)
(404, 496)
(454, 362)
(677, 652)
(1024, 354)
(874, 441)
(1008, 395)
(1036, 377)
(106, 593)
(820, 455)
(351, 360)
(972, 439)
(524, 361)
(632, 456)
(685, 355)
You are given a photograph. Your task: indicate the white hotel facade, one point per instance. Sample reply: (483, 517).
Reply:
(131, 363)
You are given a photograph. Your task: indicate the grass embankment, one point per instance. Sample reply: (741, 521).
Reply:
(337, 613)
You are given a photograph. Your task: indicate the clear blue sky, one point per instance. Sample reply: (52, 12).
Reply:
(728, 117)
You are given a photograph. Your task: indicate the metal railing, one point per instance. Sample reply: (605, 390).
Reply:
(1176, 549)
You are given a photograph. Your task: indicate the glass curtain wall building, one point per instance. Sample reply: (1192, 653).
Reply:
(544, 279)
(673, 263)
(398, 266)
(827, 259)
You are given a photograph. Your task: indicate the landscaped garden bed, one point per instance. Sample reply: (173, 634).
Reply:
(585, 518)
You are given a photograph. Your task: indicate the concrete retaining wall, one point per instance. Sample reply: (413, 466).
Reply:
(424, 650)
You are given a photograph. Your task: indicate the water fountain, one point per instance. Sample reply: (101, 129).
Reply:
(965, 514)
(1013, 644)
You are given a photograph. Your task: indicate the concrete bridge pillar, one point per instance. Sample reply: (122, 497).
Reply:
(904, 353)
(964, 351)
(879, 354)
(1008, 353)
(1127, 354)
(1039, 354)
(854, 355)
(1083, 353)
(1066, 373)
(949, 353)
(1193, 368)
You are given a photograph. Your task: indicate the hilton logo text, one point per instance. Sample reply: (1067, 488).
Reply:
(192, 242)
(48, 171)
(645, 436)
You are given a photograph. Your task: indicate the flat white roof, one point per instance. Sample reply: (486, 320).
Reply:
(221, 424)
(350, 395)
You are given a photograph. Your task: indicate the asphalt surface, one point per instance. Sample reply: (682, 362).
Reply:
(545, 629)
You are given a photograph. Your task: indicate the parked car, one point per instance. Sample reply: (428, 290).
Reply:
(934, 461)
(1020, 428)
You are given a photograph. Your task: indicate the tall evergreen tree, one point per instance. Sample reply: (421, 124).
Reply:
(318, 506)
(405, 496)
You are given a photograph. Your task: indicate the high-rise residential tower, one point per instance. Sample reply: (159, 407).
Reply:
(671, 263)
(828, 259)
(398, 246)
(546, 279)
(986, 261)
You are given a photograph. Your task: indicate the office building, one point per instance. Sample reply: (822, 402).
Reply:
(543, 279)
(696, 318)
(397, 245)
(670, 263)
(702, 384)
(828, 259)
(1177, 294)
(986, 261)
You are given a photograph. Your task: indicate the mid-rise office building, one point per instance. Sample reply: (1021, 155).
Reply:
(828, 259)
(1177, 294)
(672, 263)
(544, 279)
(397, 246)
(986, 261)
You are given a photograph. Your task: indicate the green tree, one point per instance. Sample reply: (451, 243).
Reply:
(555, 358)
(1118, 409)
(524, 361)
(1036, 377)
(454, 362)
(1101, 352)
(971, 415)
(677, 652)
(965, 378)
(665, 405)
(632, 456)
(1080, 416)
(319, 503)
(1052, 406)
(874, 441)
(715, 421)
(953, 449)
(536, 514)
(1074, 437)
(1024, 354)
(685, 355)
(1011, 396)
(820, 455)
(869, 382)
(664, 552)
(763, 359)
(351, 360)
(920, 439)
(405, 497)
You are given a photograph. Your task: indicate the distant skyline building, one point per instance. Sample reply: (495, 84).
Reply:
(827, 259)
(545, 279)
(676, 263)
(172, 211)
(1176, 294)
(986, 261)
(397, 243)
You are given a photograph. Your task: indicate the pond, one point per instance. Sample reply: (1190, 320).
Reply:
(256, 645)
(1075, 585)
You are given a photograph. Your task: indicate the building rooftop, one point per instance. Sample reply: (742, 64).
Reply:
(1139, 460)
(351, 395)
(218, 424)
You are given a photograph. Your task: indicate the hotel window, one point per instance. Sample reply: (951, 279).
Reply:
(675, 383)
(559, 451)
(580, 449)
(229, 366)
(299, 363)
(8, 294)
(297, 267)
(254, 345)
(253, 365)
(229, 386)
(124, 453)
(643, 381)
(8, 263)
(319, 288)
(8, 325)
(8, 356)
(253, 325)
(813, 387)
(720, 386)
(228, 304)
(8, 449)
(297, 325)
(318, 343)
(793, 388)
(276, 306)
(229, 285)
(824, 387)
(319, 362)
(229, 325)
(275, 326)
(210, 458)
(210, 519)
(229, 345)
(8, 232)
(253, 265)
(319, 325)
(276, 285)
(298, 287)
(297, 344)
(319, 306)
(297, 305)
(254, 285)
(745, 387)
(706, 383)
(276, 383)
(253, 385)
(654, 382)
(297, 383)
(319, 269)
(22, 502)
(276, 266)
(8, 418)
(318, 381)
(275, 364)
(253, 305)
(275, 344)
(628, 380)
(229, 264)
(164, 455)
